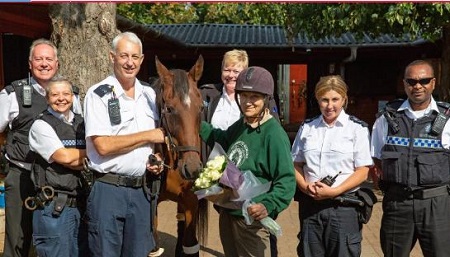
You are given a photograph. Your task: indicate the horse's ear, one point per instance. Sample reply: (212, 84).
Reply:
(164, 75)
(197, 70)
(161, 69)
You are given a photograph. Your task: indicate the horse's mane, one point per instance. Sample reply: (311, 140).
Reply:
(180, 87)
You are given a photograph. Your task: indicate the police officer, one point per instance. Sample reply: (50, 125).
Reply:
(120, 116)
(410, 144)
(20, 103)
(333, 145)
(58, 139)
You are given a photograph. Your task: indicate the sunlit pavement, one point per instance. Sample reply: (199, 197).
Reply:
(287, 243)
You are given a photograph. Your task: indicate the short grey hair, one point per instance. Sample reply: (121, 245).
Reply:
(58, 79)
(42, 41)
(130, 36)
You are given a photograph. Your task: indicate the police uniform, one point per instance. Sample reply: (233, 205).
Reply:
(17, 118)
(57, 226)
(221, 110)
(118, 213)
(414, 153)
(326, 151)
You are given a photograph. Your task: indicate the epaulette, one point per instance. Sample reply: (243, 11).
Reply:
(391, 106)
(103, 90)
(17, 83)
(444, 107)
(394, 104)
(75, 90)
(9, 89)
(356, 120)
(310, 119)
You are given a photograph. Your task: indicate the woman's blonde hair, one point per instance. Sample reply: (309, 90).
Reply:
(332, 82)
(235, 56)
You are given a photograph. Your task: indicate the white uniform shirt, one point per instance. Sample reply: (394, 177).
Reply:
(327, 150)
(138, 114)
(380, 127)
(227, 112)
(43, 138)
(9, 109)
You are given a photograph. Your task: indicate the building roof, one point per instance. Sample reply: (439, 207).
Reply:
(267, 36)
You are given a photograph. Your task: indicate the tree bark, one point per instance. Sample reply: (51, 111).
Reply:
(444, 90)
(83, 35)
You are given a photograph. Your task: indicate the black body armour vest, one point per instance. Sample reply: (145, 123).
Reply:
(61, 178)
(413, 155)
(17, 145)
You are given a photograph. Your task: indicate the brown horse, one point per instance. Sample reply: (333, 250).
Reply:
(180, 104)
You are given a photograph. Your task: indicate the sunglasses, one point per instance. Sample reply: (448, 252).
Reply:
(422, 82)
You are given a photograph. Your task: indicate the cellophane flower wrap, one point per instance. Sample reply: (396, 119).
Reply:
(234, 189)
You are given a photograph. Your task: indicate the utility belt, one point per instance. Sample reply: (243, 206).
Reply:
(406, 192)
(12, 163)
(47, 195)
(344, 200)
(348, 199)
(362, 200)
(119, 180)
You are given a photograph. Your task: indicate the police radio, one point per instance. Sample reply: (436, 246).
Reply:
(27, 92)
(114, 108)
(439, 123)
(114, 111)
(328, 180)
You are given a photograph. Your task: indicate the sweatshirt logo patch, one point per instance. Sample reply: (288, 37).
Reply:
(238, 153)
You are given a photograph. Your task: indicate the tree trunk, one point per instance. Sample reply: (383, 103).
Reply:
(83, 35)
(444, 91)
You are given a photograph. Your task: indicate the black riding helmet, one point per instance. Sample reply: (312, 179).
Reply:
(255, 79)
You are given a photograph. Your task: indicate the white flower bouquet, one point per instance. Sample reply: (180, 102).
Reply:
(223, 183)
(211, 174)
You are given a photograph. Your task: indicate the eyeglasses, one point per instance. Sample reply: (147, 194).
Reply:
(422, 82)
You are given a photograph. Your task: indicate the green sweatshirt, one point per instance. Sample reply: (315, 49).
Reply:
(265, 151)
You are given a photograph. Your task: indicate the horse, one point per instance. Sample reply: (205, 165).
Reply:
(180, 104)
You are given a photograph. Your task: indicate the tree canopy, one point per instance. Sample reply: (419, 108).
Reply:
(426, 20)
(316, 20)
(226, 13)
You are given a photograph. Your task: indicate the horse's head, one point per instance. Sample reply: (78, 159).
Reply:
(180, 104)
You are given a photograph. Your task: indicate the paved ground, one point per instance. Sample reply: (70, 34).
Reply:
(287, 242)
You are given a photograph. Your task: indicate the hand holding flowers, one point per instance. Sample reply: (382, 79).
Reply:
(211, 174)
(223, 183)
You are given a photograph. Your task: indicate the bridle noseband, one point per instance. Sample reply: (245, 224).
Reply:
(175, 150)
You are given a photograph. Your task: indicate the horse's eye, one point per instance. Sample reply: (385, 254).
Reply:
(168, 109)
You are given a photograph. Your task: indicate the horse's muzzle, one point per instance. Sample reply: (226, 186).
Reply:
(190, 169)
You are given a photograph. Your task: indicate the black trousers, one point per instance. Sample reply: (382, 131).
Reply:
(406, 221)
(328, 229)
(18, 219)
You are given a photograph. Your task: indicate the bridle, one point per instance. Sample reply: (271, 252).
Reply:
(174, 149)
